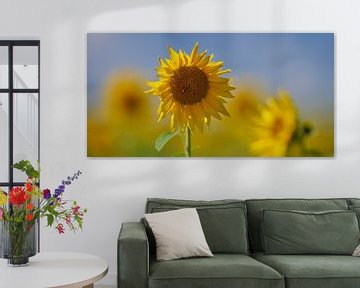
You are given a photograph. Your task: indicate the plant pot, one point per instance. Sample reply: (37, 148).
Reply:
(18, 242)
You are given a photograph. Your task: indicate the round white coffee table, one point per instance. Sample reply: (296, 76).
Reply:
(45, 270)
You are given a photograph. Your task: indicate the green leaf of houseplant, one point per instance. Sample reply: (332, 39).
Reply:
(26, 166)
(50, 219)
(164, 138)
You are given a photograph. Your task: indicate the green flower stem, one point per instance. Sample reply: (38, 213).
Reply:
(188, 142)
(18, 238)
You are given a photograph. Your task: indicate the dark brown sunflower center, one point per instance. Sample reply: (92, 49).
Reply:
(131, 103)
(278, 126)
(189, 85)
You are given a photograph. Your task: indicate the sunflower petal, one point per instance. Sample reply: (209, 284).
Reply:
(194, 51)
(212, 68)
(218, 106)
(221, 72)
(211, 110)
(174, 56)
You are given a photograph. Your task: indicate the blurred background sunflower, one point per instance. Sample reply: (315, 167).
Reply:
(273, 129)
(280, 131)
(122, 125)
(124, 104)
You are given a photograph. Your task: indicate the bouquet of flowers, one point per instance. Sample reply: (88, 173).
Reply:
(23, 206)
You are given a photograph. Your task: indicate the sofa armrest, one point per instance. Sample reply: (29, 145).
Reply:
(133, 256)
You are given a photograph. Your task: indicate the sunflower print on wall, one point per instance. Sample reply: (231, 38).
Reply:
(210, 95)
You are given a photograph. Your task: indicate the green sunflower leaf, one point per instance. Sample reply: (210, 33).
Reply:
(164, 138)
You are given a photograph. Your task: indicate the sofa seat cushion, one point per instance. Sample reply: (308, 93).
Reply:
(313, 271)
(222, 270)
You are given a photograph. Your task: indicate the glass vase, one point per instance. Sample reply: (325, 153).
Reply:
(18, 242)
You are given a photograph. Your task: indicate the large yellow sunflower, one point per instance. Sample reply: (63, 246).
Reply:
(191, 88)
(274, 127)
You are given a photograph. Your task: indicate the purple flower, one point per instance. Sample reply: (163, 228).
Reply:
(46, 194)
(58, 192)
(68, 181)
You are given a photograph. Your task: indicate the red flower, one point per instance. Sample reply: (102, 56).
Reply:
(27, 196)
(29, 217)
(60, 228)
(29, 206)
(17, 196)
(29, 186)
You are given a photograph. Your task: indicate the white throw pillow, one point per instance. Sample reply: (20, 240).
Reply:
(178, 234)
(357, 251)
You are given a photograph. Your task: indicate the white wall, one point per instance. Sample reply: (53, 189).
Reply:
(114, 190)
(3, 141)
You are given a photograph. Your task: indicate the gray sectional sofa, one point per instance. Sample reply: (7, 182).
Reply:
(257, 243)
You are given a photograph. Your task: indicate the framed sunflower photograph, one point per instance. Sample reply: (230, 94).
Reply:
(210, 94)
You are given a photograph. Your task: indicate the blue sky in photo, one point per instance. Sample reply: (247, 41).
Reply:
(302, 63)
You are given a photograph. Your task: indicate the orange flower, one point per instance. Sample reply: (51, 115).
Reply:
(29, 206)
(29, 217)
(27, 196)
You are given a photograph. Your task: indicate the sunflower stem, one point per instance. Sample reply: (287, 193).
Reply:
(188, 142)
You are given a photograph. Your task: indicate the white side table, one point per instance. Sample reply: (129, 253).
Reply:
(50, 270)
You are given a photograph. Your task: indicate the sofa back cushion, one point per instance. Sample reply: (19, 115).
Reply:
(223, 221)
(255, 206)
(354, 205)
(298, 232)
(353, 201)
